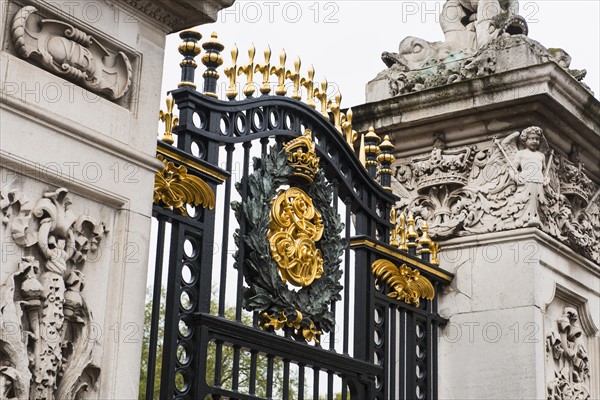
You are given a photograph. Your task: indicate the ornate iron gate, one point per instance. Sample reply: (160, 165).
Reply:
(323, 295)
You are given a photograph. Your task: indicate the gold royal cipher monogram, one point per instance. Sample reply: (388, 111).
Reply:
(295, 227)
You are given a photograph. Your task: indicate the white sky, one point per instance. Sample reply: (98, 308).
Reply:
(344, 40)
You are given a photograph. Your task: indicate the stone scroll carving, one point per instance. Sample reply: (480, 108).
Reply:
(518, 182)
(46, 352)
(71, 53)
(566, 350)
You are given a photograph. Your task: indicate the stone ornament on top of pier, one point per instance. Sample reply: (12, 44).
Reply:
(482, 37)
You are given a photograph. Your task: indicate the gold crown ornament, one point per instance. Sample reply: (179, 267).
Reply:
(302, 156)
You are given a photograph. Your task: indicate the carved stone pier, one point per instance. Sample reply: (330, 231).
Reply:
(79, 94)
(497, 150)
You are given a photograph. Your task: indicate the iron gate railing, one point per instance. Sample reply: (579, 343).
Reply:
(357, 317)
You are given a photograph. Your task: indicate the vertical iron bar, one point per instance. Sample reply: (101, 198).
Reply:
(172, 307)
(316, 372)
(241, 251)
(346, 332)
(402, 342)
(329, 385)
(235, 372)
(252, 383)
(218, 361)
(269, 393)
(286, 380)
(156, 299)
(300, 381)
(264, 142)
(225, 239)
(411, 366)
(392, 355)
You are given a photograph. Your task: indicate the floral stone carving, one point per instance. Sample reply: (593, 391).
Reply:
(71, 53)
(518, 182)
(565, 348)
(46, 353)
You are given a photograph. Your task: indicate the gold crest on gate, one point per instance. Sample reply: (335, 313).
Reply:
(295, 227)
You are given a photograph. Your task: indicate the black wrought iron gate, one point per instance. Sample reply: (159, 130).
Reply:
(287, 278)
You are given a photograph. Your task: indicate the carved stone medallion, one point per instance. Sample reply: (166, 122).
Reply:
(64, 50)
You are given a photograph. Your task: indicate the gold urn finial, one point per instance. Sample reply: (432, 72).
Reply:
(394, 231)
(302, 156)
(411, 235)
(169, 119)
(402, 233)
(424, 241)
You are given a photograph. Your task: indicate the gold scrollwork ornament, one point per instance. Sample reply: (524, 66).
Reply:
(295, 227)
(174, 187)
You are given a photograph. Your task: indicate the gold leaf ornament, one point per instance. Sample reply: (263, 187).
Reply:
(294, 228)
(406, 284)
(175, 188)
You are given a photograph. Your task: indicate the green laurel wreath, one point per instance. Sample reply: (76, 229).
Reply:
(266, 292)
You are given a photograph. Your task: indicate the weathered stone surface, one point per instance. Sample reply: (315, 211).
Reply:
(77, 121)
(481, 38)
(510, 288)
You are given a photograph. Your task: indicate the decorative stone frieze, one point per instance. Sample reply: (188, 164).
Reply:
(517, 182)
(71, 53)
(44, 343)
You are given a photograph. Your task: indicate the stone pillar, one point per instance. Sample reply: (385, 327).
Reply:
(497, 150)
(79, 88)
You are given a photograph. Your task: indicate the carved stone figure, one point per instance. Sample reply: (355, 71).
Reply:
(479, 36)
(71, 53)
(45, 353)
(567, 351)
(518, 182)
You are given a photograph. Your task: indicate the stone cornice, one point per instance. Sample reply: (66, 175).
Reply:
(543, 92)
(180, 14)
(517, 235)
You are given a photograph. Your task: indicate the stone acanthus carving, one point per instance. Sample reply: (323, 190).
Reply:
(518, 182)
(477, 33)
(565, 348)
(44, 343)
(71, 53)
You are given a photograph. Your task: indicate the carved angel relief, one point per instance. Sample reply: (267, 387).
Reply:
(519, 182)
(46, 352)
(71, 53)
(565, 348)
